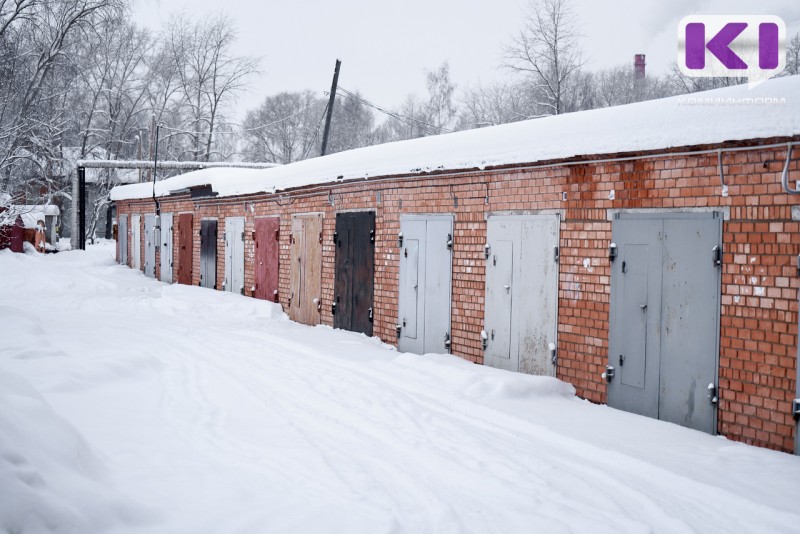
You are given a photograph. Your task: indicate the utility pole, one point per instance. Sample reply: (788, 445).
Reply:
(330, 108)
(150, 140)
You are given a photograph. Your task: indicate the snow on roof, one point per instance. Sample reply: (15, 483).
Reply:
(771, 109)
(32, 213)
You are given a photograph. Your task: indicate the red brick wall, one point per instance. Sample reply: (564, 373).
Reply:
(758, 333)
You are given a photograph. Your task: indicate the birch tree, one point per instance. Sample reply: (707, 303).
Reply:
(546, 51)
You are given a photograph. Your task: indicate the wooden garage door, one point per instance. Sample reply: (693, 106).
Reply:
(185, 251)
(306, 268)
(267, 240)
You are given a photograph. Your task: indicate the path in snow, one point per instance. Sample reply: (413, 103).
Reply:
(179, 409)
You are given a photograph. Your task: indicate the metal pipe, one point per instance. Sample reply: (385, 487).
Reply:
(785, 173)
(721, 174)
(172, 165)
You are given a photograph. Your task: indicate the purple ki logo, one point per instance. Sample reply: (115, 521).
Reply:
(726, 45)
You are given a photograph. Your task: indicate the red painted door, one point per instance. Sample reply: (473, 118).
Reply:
(185, 245)
(266, 261)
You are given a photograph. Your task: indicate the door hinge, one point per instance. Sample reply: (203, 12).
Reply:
(484, 339)
(398, 329)
(717, 255)
(449, 241)
(320, 238)
(796, 409)
(369, 315)
(275, 295)
(556, 254)
(242, 235)
(486, 250)
(372, 236)
(333, 308)
(400, 240)
(277, 235)
(447, 342)
(335, 237)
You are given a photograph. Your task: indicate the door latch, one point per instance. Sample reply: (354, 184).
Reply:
(447, 342)
(621, 360)
(712, 394)
(609, 374)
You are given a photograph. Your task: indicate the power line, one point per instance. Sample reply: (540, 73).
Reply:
(316, 133)
(244, 130)
(408, 120)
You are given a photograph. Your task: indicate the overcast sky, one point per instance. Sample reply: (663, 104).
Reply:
(385, 47)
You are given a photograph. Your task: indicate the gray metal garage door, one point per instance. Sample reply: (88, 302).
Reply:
(166, 248)
(521, 292)
(150, 245)
(665, 306)
(122, 237)
(425, 283)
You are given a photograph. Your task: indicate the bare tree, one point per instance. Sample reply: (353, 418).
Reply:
(500, 103)
(283, 128)
(441, 110)
(793, 56)
(210, 74)
(547, 51)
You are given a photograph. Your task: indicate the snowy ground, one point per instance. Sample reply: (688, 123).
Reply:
(127, 405)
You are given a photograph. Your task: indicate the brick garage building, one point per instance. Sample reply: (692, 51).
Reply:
(646, 254)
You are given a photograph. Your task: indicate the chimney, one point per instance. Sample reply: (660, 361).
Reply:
(638, 66)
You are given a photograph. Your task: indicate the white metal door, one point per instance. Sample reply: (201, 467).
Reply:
(234, 255)
(166, 247)
(521, 307)
(136, 241)
(425, 283)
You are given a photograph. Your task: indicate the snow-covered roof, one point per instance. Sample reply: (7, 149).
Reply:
(771, 109)
(31, 213)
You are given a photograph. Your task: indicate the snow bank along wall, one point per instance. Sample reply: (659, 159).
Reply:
(695, 309)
